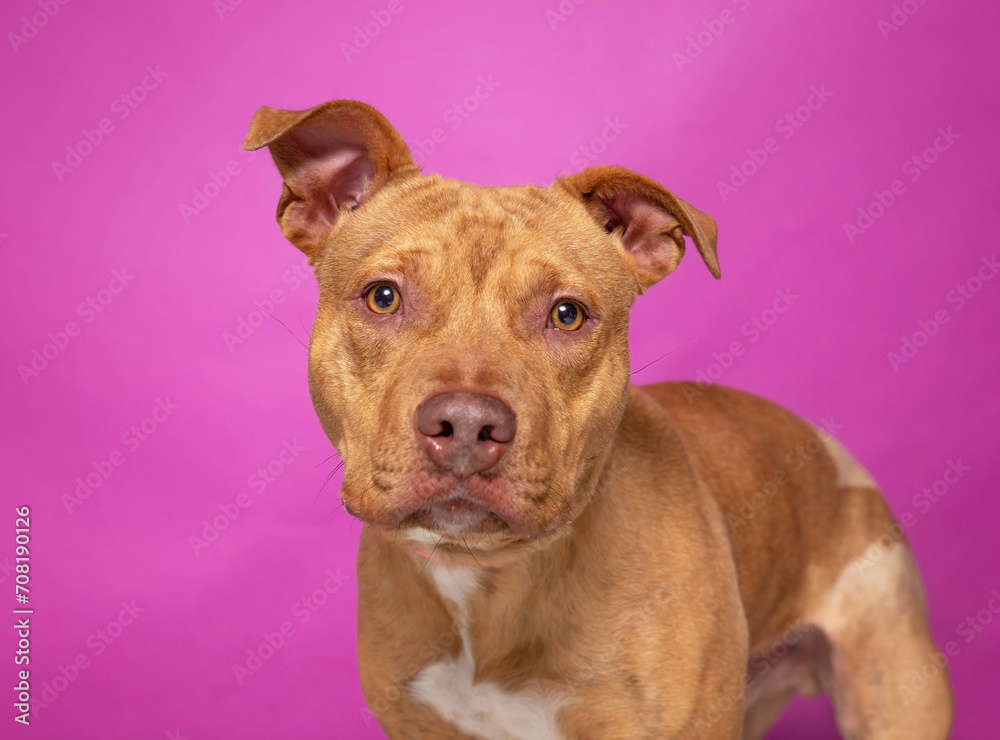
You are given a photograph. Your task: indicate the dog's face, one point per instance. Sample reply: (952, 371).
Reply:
(469, 359)
(504, 293)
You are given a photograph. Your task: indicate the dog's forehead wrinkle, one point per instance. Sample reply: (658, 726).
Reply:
(489, 237)
(495, 224)
(396, 258)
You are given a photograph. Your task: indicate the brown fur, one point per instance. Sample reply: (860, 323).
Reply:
(622, 572)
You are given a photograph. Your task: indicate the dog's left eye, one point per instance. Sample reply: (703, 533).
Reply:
(383, 298)
(567, 316)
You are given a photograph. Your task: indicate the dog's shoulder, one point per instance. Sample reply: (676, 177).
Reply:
(715, 410)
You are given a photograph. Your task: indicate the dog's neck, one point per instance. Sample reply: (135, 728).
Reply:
(473, 576)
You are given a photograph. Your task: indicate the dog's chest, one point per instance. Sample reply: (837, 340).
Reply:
(481, 709)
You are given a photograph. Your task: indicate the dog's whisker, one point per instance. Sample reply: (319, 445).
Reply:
(370, 482)
(334, 512)
(473, 554)
(323, 462)
(430, 555)
(676, 349)
(342, 502)
(328, 479)
(287, 329)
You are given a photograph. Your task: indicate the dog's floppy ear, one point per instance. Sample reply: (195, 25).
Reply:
(332, 158)
(650, 220)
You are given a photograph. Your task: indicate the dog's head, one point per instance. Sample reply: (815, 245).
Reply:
(469, 359)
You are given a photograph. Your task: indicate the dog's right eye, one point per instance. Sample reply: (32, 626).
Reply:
(567, 316)
(383, 298)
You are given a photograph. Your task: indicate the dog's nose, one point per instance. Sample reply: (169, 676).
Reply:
(465, 433)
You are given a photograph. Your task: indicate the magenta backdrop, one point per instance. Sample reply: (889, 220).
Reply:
(131, 212)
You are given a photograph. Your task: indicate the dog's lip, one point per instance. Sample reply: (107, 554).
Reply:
(455, 507)
(458, 513)
(460, 503)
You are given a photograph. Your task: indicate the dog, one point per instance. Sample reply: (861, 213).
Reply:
(548, 551)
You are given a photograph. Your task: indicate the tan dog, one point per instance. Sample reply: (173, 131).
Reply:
(548, 551)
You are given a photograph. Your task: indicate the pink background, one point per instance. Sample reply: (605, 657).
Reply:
(556, 78)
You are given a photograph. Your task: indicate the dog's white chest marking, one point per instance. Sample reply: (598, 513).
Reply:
(484, 710)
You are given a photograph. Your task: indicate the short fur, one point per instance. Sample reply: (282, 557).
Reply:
(630, 584)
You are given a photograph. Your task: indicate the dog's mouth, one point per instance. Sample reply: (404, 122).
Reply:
(456, 515)
(459, 509)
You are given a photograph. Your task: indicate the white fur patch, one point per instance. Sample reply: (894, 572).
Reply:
(849, 471)
(422, 536)
(428, 540)
(456, 583)
(484, 709)
(869, 582)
